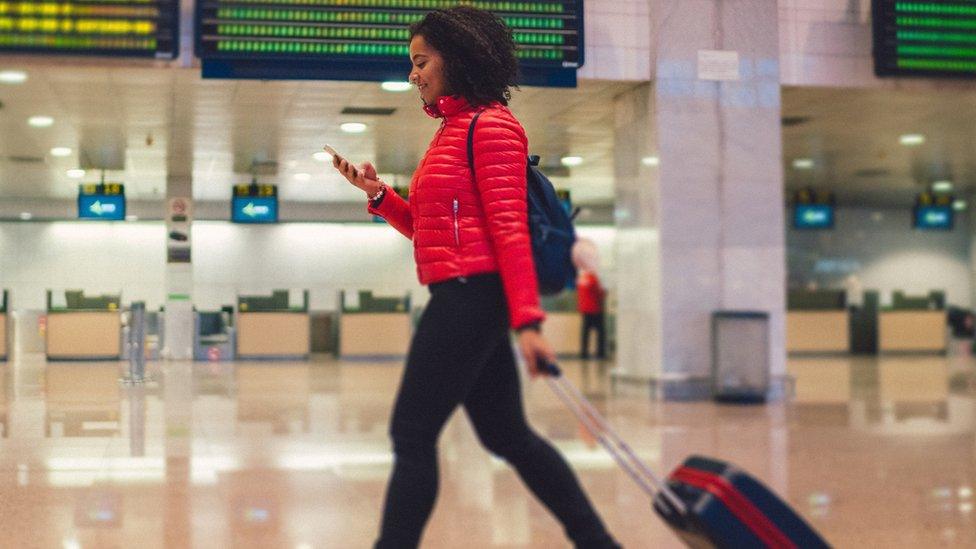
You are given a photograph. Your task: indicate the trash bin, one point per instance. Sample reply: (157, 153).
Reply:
(740, 356)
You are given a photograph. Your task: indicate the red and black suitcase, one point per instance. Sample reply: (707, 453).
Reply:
(707, 502)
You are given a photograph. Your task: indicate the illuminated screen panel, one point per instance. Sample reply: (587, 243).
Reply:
(130, 28)
(368, 39)
(933, 38)
(103, 201)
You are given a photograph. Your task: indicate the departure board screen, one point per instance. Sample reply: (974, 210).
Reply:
(934, 38)
(130, 28)
(367, 39)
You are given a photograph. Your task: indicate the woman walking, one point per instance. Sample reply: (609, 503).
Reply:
(471, 243)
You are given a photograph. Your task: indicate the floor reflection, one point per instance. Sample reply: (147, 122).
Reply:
(297, 455)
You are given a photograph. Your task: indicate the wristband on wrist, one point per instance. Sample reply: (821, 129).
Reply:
(535, 327)
(378, 195)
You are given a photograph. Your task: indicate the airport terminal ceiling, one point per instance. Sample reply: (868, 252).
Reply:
(850, 140)
(147, 122)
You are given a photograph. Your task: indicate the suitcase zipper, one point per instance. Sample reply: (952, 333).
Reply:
(457, 229)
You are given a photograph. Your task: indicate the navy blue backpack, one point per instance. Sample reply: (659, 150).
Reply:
(550, 227)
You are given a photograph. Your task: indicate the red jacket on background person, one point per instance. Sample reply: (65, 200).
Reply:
(589, 293)
(462, 227)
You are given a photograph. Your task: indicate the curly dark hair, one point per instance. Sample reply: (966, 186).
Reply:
(478, 51)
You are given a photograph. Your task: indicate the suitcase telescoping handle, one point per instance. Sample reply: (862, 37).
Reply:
(594, 422)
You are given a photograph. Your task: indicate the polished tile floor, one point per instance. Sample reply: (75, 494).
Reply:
(874, 452)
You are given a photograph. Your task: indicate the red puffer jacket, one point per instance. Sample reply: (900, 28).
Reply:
(462, 227)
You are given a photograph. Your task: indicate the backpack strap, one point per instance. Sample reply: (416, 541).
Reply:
(474, 121)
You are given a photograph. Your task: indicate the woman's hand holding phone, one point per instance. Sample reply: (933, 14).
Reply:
(362, 176)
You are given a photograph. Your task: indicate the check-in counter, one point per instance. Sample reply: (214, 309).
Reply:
(817, 322)
(374, 327)
(912, 331)
(269, 329)
(4, 327)
(214, 336)
(564, 324)
(88, 328)
(817, 331)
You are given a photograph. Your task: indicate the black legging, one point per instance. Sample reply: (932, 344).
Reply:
(461, 354)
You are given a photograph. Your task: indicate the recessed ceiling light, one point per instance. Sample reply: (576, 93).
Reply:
(303, 177)
(76, 173)
(322, 156)
(803, 163)
(132, 218)
(650, 161)
(942, 186)
(13, 77)
(61, 151)
(396, 86)
(353, 127)
(959, 205)
(40, 121)
(26, 216)
(571, 161)
(912, 139)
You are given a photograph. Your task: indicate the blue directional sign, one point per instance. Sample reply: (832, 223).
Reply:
(254, 209)
(104, 201)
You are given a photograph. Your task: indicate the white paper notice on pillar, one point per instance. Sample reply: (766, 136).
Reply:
(719, 65)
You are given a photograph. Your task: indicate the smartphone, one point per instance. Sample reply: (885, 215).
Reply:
(334, 153)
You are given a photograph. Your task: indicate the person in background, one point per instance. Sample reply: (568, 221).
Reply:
(590, 297)
(471, 240)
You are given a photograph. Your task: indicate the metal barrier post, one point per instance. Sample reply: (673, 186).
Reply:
(137, 343)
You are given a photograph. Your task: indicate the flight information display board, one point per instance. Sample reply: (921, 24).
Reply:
(130, 28)
(254, 204)
(369, 39)
(105, 201)
(916, 38)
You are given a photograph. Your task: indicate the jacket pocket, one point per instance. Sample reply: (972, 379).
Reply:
(457, 227)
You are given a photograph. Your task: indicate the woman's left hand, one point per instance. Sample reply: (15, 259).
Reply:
(535, 349)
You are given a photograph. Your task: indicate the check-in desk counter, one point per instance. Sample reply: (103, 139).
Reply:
(912, 331)
(87, 328)
(373, 327)
(817, 322)
(269, 329)
(4, 327)
(914, 324)
(564, 324)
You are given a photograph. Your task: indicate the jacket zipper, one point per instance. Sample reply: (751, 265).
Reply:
(457, 229)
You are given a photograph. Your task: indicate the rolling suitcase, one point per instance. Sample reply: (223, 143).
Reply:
(707, 502)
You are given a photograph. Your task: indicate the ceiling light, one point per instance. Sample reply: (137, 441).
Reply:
(303, 177)
(322, 156)
(353, 127)
(911, 139)
(61, 151)
(942, 186)
(571, 161)
(26, 216)
(40, 121)
(803, 163)
(396, 86)
(13, 77)
(76, 173)
(959, 205)
(650, 161)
